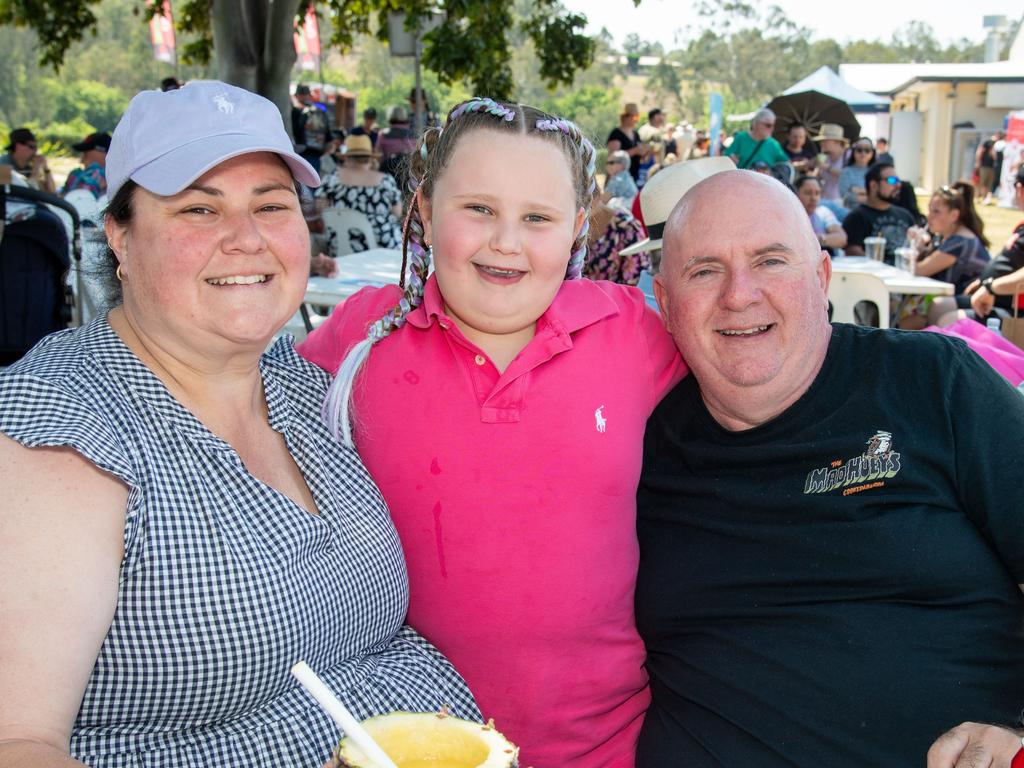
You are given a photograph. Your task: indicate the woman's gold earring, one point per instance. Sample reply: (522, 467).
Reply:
(118, 273)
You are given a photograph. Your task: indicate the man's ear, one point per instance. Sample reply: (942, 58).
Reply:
(661, 296)
(824, 273)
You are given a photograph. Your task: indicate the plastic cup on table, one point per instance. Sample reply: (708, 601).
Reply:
(906, 259)
(874, 248)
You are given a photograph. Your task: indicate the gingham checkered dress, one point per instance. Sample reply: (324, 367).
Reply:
(226, 582)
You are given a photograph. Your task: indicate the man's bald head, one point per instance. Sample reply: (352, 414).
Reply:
(742, 193)
(742, 290)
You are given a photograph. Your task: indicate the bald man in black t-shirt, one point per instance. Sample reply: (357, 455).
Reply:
(830, 528)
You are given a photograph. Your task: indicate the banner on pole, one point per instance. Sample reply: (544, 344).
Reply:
(307, 41)
(161, 33)
(715, 125)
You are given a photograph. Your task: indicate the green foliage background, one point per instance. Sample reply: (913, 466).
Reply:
(98, 77)
(741, 48)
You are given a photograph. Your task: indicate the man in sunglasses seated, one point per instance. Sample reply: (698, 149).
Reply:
(23, 155)
(878, 216)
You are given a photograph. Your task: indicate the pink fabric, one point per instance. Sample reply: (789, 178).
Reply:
(1001, 354)
(514, 496)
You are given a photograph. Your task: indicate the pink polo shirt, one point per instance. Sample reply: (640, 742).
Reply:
(515, 497)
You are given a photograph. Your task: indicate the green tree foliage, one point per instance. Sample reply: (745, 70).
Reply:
(19, 76)
(593, 108)
(592, 102)
(59, 23)
(530, 50)
(100, 74)
(98, 105)
(665, 84)
(252, 38)
(749, 53)
(915, 42)
(476, 40)
(383, 81)
(61, 110)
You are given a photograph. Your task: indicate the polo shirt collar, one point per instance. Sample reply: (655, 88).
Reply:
(577, 304)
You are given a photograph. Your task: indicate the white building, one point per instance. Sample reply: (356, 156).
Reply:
(941, 112)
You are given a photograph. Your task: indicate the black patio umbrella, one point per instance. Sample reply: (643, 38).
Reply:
(811, 109)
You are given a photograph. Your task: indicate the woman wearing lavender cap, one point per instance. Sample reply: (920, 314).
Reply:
(178, 528)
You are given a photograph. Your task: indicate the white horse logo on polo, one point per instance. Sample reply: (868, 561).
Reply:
(599, 420)
(225, 106)
(878, 463)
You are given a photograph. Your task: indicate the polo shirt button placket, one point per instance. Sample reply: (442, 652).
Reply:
(479, 359)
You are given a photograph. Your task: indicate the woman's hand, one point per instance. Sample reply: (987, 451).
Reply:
(323, 265)
(919, 238)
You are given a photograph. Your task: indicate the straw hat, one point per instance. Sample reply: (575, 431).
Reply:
(666, 188)
(358, 146)
(832, 131)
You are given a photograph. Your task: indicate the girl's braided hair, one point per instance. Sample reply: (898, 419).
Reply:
(426, 164)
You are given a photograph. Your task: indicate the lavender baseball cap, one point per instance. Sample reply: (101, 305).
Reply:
(167, 140)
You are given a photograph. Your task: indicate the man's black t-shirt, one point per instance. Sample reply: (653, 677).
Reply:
(865, 221)
(836, 587)
(626, 143)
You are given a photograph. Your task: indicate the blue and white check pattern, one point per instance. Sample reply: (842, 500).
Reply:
(225, 581)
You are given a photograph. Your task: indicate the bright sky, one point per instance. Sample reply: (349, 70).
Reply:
(663, 20)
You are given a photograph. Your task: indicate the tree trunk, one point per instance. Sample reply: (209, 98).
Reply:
(253, 46)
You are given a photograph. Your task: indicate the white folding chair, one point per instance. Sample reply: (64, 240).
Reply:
(348, 231)
(847, 291)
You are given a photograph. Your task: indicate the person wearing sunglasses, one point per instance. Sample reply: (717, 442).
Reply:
(757, 144)
(619, 183)
(852, 190)
(23, 155)
(878, 216)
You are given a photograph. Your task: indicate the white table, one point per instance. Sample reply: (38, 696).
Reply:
(896, 280)
(377, 267)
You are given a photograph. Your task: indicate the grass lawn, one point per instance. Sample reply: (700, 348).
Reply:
(999, 223)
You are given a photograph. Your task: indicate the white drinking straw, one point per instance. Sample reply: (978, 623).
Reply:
(333, 707)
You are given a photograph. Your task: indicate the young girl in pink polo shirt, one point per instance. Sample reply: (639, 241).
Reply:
(500, 405)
